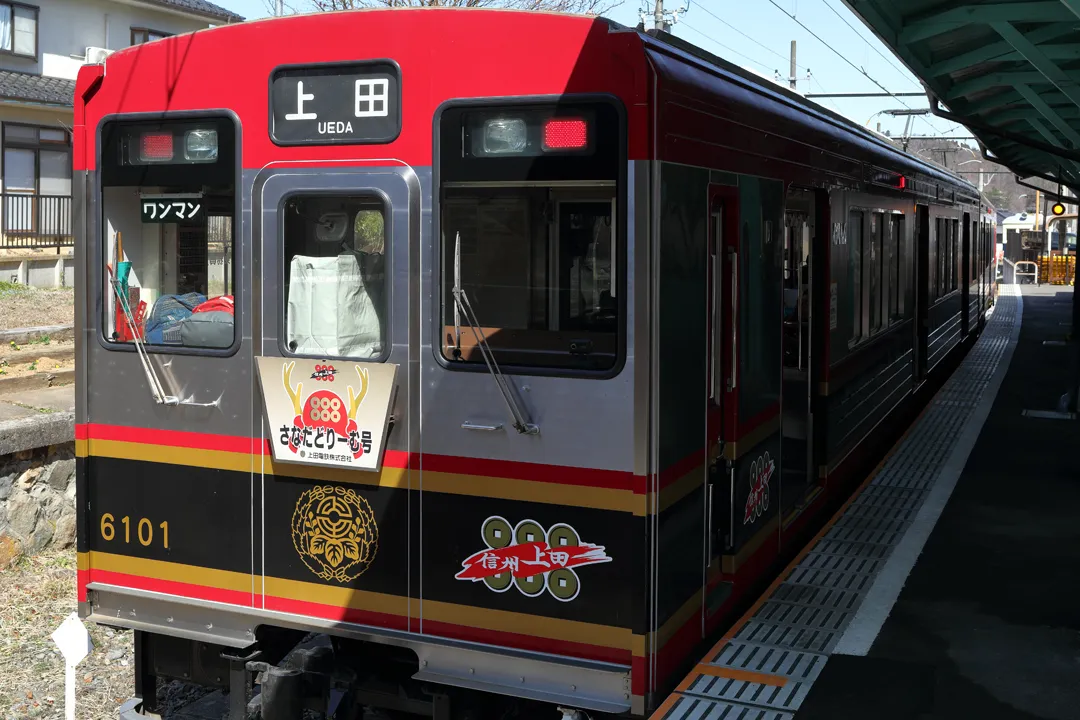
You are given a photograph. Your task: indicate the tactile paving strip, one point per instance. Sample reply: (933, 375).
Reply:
(788, 640)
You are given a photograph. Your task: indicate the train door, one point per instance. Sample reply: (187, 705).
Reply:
(965, 278)
(921, 268)
(985, 275)
(722, 306)
(797, 427)
(334, 333)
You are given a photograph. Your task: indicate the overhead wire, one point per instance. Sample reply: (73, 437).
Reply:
(861, 71)
(726, 47)
(829, 100)
(785, 58)
(870, 45)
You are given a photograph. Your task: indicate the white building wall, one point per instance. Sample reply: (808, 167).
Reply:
(67, 27)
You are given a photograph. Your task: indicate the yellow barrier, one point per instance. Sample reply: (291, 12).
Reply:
(1058, 269)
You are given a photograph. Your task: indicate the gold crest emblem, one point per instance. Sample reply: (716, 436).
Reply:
(334, 531)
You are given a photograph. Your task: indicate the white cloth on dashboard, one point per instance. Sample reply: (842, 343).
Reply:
(330, 311)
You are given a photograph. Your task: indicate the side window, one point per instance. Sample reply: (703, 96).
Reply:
(954, 261)
(874, 260)
(335, 291)
(899, 286)
(855, 247)
(936, 246)
(949, 258)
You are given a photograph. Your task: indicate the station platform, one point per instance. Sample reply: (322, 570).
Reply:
(947, 586)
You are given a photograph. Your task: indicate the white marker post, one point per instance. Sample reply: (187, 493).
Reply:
(75, 644)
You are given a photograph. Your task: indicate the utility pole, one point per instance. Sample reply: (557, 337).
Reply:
(280, 8)
(660, 15)
(791, 76)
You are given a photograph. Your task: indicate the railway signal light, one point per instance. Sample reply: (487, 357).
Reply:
(1058, 209)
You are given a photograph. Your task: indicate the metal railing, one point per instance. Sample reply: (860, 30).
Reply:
(32, 221)
(1033, 273)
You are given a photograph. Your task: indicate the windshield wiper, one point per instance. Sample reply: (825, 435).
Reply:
(157, 390)
(462, 306)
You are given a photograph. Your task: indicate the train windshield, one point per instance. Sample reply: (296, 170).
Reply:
(168, 205)
(530, 250)
(537, 270)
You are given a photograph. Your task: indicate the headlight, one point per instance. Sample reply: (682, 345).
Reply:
(200, 145)
(504, 135)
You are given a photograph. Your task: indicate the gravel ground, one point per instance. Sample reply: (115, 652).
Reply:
(35, 597)
(36, 594)
(22, 306)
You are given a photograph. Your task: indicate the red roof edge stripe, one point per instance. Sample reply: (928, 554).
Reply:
(561, 474)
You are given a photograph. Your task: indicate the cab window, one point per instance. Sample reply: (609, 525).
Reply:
(530, 257)
(536, 269)
(168, 205)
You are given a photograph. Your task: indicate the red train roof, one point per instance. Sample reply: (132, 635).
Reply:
(443, 54)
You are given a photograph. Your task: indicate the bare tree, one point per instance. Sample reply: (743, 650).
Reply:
(584, 7)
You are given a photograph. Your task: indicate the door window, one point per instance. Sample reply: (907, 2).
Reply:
(335, 276)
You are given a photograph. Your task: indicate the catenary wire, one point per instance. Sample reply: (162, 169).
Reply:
(843, 57)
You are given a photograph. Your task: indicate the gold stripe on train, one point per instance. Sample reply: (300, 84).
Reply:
(735, 450)
(169, 571)
(453, 483)
(691, 607)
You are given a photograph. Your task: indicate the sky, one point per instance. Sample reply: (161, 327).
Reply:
(756, 34)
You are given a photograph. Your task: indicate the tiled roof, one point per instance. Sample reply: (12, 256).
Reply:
(36, 88)
(200, 7)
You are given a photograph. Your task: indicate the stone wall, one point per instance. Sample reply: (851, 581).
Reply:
(37, 501)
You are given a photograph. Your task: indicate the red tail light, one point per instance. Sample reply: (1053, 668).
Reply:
(565, 134)
(156, 146)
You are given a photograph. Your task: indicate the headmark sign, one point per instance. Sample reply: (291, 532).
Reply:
(531, 558)
(340, 420)
(335, 104)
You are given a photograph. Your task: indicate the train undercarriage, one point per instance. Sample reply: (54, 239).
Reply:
(290, 674)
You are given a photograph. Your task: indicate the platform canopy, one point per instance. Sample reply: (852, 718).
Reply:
(1009, 71)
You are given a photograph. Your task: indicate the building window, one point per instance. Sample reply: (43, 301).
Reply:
(36, 160)
(36, 176)
(143, 35)
(18, 29)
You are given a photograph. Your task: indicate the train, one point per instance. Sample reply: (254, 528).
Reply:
(479, 363)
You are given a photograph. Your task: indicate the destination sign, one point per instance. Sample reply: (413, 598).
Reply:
(335, 104)
(172, 208)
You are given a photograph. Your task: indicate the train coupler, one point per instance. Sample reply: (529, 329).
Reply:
(308, 679)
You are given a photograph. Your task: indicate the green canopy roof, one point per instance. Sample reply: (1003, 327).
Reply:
(1009, 71)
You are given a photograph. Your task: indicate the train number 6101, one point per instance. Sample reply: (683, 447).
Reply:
(144, 530)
